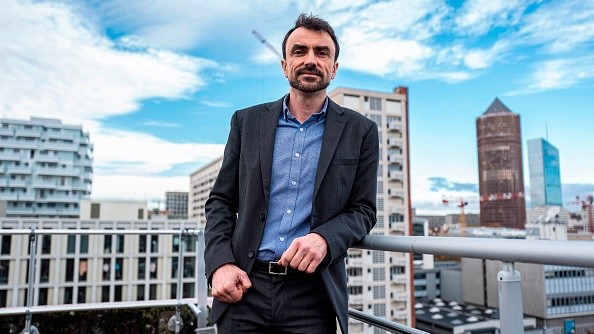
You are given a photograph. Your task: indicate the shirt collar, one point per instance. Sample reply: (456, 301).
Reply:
(286, 114)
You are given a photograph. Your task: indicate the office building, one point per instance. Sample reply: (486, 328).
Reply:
(201, 183)
(545, 174)
(176, 204)
(380, 282)
(45, 168)
(96, 268)
(501, 180)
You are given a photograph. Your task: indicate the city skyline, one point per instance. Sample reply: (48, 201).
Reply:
(156, 85)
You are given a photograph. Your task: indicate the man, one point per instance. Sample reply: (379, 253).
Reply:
(296, 189)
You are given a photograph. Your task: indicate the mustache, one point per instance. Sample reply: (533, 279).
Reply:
(309, 70)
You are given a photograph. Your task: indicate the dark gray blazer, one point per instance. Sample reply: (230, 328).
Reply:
(344, 195)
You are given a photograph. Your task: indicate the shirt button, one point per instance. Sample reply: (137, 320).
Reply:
(301, 129)
(293, 182)
(289, 211)
(251, 255)
(297, 155)
(282, 239)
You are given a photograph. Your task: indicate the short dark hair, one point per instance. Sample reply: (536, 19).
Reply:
(312, 22)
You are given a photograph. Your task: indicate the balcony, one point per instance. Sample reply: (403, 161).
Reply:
(27, 133)
(395, 193)
(395, 142)
(395, 126)
(510, 251)
(20, 144)
(397, 176)
(56, 171)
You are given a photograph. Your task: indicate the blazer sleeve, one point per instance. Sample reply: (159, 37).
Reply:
(358, 217)
(222, 205)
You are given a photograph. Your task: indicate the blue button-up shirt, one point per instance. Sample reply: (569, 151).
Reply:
(294, 164)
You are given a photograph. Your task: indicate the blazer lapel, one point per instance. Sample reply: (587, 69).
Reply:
(335, 122)
(268, 123)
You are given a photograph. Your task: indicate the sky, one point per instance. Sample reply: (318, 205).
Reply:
(155, 83)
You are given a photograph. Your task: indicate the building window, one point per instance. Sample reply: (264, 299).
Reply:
(174, 265)
(4, 270)
(375, 103)
(153, 292)
(83, 267)
(46, 244)
(82, 295)
(5, 246)
(141, 268)
(42, 297)
(378, 256)
(44, 271)
(119, 269)
(95, 210)
(140, 213)
(104, 294)
(69, 270)
(140, 292)
(189, 266)
(154, 243)
(379, 292)
(188, 290)
(106, 269)
(107, 243)
(153, 268)
(379, 274)
(117, 296)
(68, 295)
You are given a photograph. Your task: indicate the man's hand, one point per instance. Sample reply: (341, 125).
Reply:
(305, 253)
(229, 283)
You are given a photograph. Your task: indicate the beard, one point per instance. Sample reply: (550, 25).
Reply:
(309, 86)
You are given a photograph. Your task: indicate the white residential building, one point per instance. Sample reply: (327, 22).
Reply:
(380, 282)
(201, 183)
(45, 168)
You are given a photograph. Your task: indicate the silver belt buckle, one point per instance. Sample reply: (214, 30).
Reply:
(273, 269)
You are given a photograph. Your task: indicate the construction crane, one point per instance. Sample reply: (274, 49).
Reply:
(462, 223)
(265, 42)
(463, 202)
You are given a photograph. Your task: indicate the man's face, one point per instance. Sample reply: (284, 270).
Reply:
(310, 64)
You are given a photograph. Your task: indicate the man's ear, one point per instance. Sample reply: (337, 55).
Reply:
(334, 70)
(284, 67)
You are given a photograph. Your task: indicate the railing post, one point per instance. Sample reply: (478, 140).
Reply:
(180, 259)
(510, 299)
(30, 291)
(202, 285)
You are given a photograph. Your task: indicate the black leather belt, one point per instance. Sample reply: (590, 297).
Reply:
(273, 268)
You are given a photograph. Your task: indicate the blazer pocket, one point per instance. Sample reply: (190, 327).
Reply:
(344, 162)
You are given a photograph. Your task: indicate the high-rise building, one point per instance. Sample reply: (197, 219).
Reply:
(201, 183)
(45, 168)
(176, 204)
(381, 282)
(501, 183)
(545, 175)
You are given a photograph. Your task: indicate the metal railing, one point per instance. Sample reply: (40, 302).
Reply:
(510, 251)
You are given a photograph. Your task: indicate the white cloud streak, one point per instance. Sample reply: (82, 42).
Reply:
(55, 64)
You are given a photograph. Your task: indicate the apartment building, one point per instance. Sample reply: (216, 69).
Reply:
(201, 183)
(380, 282)
(45, 168)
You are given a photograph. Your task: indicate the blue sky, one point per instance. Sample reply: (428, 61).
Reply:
(155, 82)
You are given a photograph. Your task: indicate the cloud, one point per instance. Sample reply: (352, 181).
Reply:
(161, 124)
(216, 104)
(560, 27)
(54, 65)
(477, 17)
(442, 184)
(135, 153)
(557, 74)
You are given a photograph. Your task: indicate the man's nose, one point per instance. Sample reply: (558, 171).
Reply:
(310, 58)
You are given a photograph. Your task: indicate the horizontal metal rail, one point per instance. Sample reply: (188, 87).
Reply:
(382, 323)
(96, 232)
(566, 253)
(95, 306)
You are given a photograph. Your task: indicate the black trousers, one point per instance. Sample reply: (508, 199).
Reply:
(281, 304)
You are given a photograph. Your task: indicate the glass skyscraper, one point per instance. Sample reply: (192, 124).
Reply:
(545, 175)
